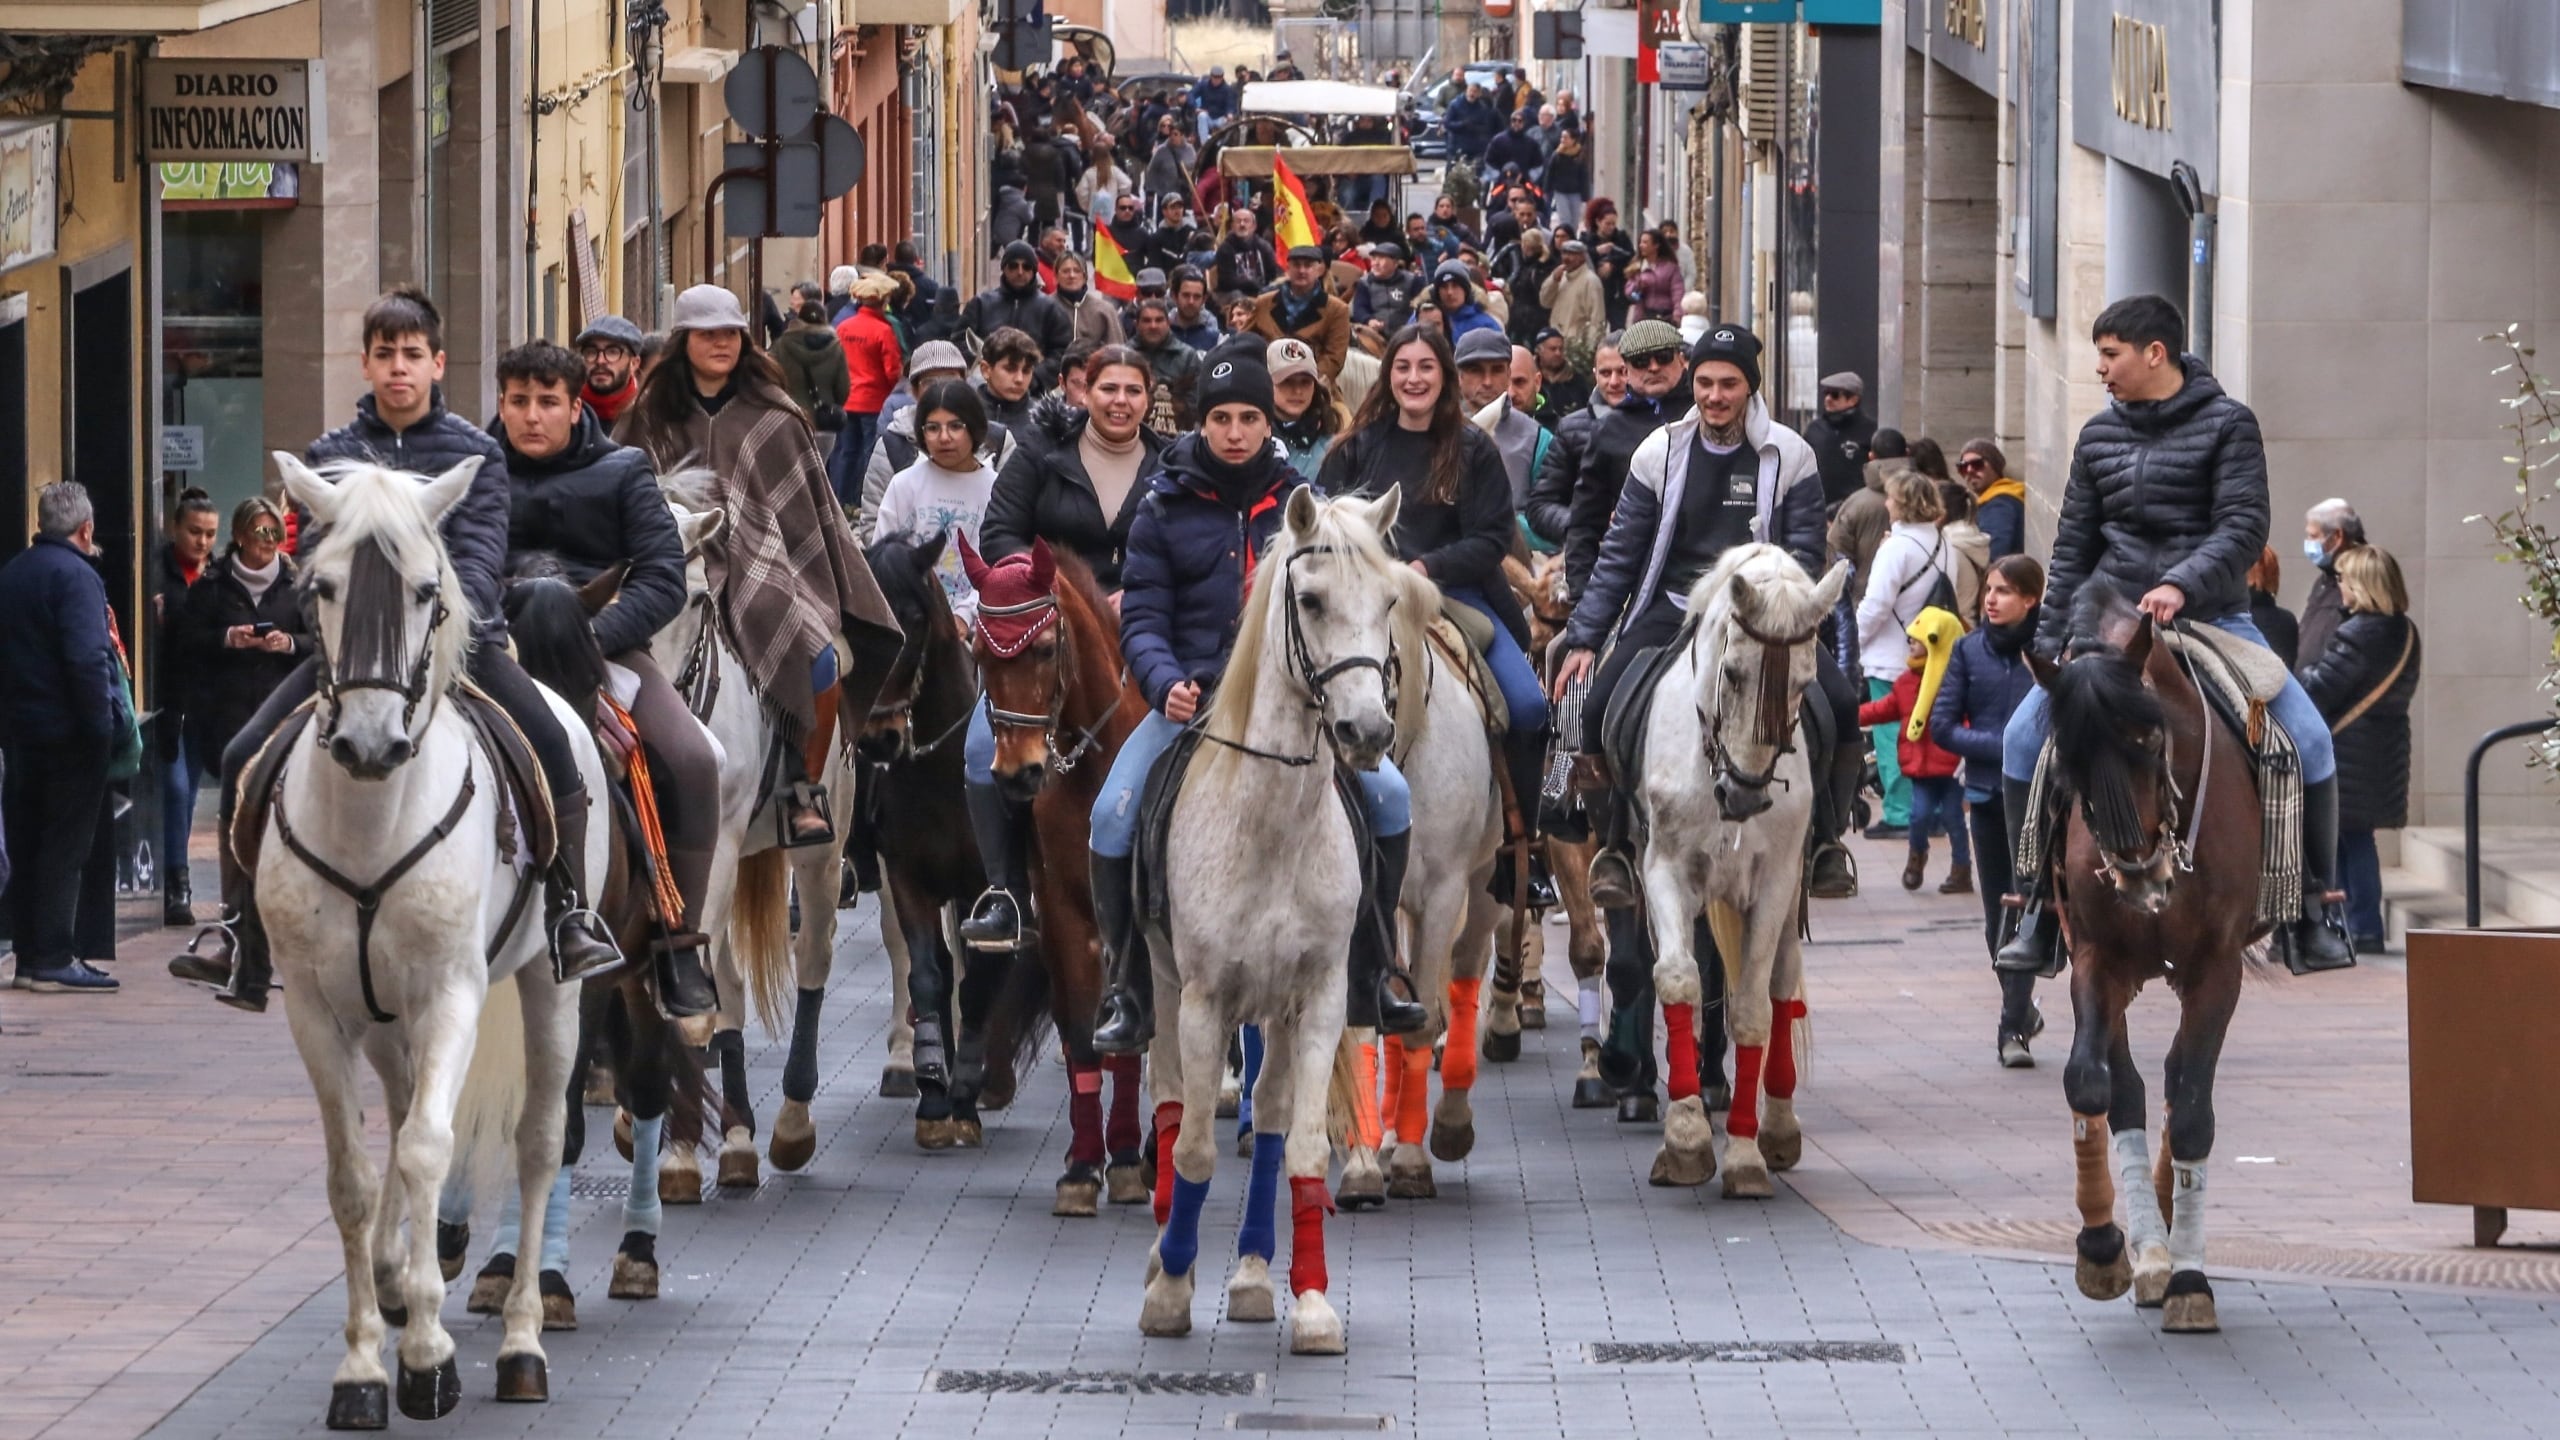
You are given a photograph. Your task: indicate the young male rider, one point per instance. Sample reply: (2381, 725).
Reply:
(403, 423)
(2167, 500)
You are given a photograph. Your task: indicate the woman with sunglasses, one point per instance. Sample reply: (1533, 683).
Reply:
(1999, 502)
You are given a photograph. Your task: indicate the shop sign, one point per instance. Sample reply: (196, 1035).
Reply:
(1965, 37)
(29, 212)
(1683, 66)
(242, 183)
(2152, 63)
(233, 110)
(181, 447)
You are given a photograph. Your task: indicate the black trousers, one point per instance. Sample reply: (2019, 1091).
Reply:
(54, 808)
(1994, 877)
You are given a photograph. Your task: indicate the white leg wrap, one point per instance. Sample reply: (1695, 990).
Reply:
(2143, 1224)
(1593, 1006)
(2186, 1228)
(640, 1210)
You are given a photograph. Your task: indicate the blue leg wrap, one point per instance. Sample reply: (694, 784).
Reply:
(1252, 1045)
(555, 1224)
(1260, 1234)
(1180, 1244)
(510, 1227)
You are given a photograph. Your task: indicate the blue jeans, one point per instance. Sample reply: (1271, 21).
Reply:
(178, 782)
(1115, 810)
(2360, 875)
(978, 751)
(1521, 692)
(1937, 804)
(2029, 724)
(851, 456)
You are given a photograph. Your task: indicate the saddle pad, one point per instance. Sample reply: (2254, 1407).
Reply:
(2255, 671)
(1150, 875)
(514, 757)
(1623, 726)
(1459, 651)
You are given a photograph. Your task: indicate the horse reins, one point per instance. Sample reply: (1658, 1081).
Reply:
(2178, 849)
(1315, 680)
(699, 681)
(1060, 761)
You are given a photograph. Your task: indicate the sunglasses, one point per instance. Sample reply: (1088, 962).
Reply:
(1971, 465)
(1657, 361)
(1839, 394)
(266, 532)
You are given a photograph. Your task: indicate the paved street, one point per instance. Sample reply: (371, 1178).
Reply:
(167, 1266)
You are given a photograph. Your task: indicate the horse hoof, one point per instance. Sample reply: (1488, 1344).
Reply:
(1502, 1049)
(622, 1133)
(2100, 1265)
(897, 1082)
(2151, 1277)
(1533, 1014)
(1783, 1152)
(738, 1168)
(633, 1279)
(1079, 1194)
(360, 1405)
(967, 1133)
(1641, 1108)
(1452, 1143)
(1719, 1098)
(680, 1179)
(1363, 1186)
(1747, 1180)
(934, 1134)
(396, 1316)
(599, 1086)
(1125, 1183)
(559, 1303)
(795, 1140)
(453, 1247)
(1314, 1328)
(1593, 1093)
(1167, 1313)
(1688, 1154)
(996, 1092)
(1249, 1298)
(430, 1394)
(523, 1379)
(1679, 1169)
(2188, 1308)
(489, 1289)
(1409, 1176)
(1244, 1143)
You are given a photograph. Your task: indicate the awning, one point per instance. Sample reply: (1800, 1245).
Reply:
(1253, 162)
(1319, 97)
(699, 65)
(128, 17)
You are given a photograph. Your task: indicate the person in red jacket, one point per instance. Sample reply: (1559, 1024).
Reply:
(1937, 800)
(871, 353)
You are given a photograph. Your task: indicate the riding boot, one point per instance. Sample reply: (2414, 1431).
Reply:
(1613, 875)
(581, 943)
(1127, 1020)
(193, 964)
(2318, 941)
(1830, 872)
(1524, 757)
(2036, 947)
(1374, 971)
(805, 819)
(177, 898)
(999, 923)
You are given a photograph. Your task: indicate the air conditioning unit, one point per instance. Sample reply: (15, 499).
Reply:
(1764, 57)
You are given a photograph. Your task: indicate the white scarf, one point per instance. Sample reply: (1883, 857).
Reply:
(257, 581)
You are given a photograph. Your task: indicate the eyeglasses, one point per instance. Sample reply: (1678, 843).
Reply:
(1660, 359)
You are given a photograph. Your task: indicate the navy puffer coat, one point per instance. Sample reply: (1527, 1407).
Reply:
(475, 531)
(2373, 750)
(1182, 586)
(1985, 681)
(2161, 492)
(596, 505)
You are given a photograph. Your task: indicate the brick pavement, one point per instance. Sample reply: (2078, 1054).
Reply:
(171, 1256)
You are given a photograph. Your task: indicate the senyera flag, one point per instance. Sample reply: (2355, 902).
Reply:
(1292, 222)
(1111, 273)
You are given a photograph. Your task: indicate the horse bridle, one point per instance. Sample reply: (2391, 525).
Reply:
(1061, 663)
(1774, 724)
(905, 705)
(412, 690)
(1303, 661)
(2176, 849)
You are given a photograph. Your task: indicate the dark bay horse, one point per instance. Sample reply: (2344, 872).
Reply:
(2157, 879)
(1048, 649)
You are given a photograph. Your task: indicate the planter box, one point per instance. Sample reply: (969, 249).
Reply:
(2484, 1073)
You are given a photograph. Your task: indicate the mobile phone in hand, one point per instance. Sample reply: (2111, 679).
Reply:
(263, 629)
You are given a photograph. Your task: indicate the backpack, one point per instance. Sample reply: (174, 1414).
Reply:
(1942, 591)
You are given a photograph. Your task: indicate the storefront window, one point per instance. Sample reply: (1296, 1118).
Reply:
(211, 332)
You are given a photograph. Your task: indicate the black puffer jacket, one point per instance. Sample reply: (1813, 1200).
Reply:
(2162, 492)
(1044, 493)
(596, 505)
(475, 531)
(1603, 474)
(1550, 503)
(225, 685)
(1028, 310)
(2373, 749)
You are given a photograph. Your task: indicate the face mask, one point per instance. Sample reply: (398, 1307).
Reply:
(2311, 550)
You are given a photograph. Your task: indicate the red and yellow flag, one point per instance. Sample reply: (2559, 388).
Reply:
(1111, 273)
(1292, 222)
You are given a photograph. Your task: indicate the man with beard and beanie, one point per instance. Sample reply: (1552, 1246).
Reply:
(1216, 503)
(1017, 302)
(2167, 500)
(611, 348)
(1840, 436)
(1299, 309)
(1696, 487)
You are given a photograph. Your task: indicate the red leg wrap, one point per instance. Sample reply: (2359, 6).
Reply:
(1744, 1119)
(1781, 1074)
(1084, 1116)
(1413, 1109)
(1168, 1130)
(1391, 1064)
(1308, 1205)
(1680, 1039)
(1122, 1134)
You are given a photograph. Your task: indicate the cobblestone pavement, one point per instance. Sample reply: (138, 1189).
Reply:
(167, 1264)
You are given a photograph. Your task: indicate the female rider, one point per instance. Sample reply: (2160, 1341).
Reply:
(1075, 480)
(1455, 524)
(1184, 590)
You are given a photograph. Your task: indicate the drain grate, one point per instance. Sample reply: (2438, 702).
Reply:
(1322, 1424)
(2533, 1272)
(599, 1187)
(1751, 1352)
(1094, 1382)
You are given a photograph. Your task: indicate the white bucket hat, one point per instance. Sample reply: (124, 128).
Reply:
(708, 307)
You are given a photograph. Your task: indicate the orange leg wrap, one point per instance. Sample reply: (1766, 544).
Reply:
(1780, 1077)
(1458, 1060)
(2094, 1189)
(822, 736)
(1743, 1121)
(1364, 1115)
(1168, 1130)
(1413, 1104)
(1308, 1205)
(1391, 1065)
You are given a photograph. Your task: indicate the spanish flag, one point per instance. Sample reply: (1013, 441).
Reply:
(1292, 223)
(1111, 273)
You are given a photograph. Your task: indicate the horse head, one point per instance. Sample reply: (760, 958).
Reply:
(1026, 642)
(1325, 604)
(1762, 616)
(905, 570)
(1538, 583)
(388, 615)
(2112, 742)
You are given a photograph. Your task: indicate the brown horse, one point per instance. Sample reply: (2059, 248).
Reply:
(2157, 879)
(1539, 583)
(1048, 650)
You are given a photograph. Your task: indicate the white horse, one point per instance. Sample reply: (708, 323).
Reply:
(747, 909)
(1258, 943)
(389, 791)
(1728, 794)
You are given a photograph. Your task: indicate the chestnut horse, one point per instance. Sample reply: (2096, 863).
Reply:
(1048, 648)
(1540, 586)
(2158, 879)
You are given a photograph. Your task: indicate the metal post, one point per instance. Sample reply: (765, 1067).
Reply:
(2189, 188)
(1776, 377)
(2471, 810)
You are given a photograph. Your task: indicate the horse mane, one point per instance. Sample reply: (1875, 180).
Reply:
(694, 487)
(1075, 575)
(379, 506)
(2100, 707)
(1782, 597)
(553, 640)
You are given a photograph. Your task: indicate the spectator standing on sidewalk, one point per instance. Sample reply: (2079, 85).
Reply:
(62, 714)
(2329, 529)
(181, 562)
(1986, 678)
(1937, 804)
(2363, 683)
(1905, 570)
(2283, 632)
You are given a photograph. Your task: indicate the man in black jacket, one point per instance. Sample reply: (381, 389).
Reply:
(1840, 436)
(404, 424)
(1655, 397)
(1017, 302)
(1550, 507)
(592, 505)
(2167, 500)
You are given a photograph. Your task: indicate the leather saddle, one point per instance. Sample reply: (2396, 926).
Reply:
(1151, 875)
(2237, 679)
(1629, 716)
(1462, 635)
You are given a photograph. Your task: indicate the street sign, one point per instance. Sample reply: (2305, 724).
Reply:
(1747, 12)
(1683, 65)
(840, 156)
(783, 106)
(798, 199)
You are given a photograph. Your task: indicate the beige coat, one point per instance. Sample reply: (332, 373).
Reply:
(1576, 306)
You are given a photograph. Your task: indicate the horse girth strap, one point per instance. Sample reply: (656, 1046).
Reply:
(368, 898)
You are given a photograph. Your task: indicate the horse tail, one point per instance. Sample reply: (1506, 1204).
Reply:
(760, 934)
(1019, 1020)
(493, 1092)
(1342, 1091)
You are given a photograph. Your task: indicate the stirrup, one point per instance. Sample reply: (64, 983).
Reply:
(980, 932)
(1615, 889)
(221, 929)
(1398, 1015)
(803, 797)
(2292, 940)
(563, 969)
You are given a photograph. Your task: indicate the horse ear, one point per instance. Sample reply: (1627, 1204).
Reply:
(1044, 565)
(972, 564)
(599, 592)
(1383, 510)
(2138, 649)
(700, 530)
(1746, 598)
(446, 490)
(929, 553)
(2044, 670)
(1301, 514)
(304, 486)
(1828, 592)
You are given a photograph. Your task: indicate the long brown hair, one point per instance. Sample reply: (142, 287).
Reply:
(1378, 408)
(667, 399)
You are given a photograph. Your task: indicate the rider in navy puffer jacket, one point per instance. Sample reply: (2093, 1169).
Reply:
(1189, 561)
(475, 530)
